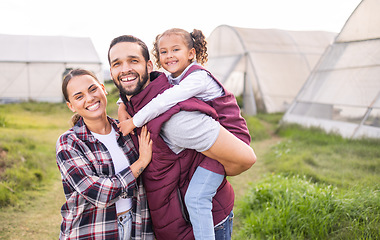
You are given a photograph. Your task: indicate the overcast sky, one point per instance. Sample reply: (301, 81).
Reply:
(103, 20)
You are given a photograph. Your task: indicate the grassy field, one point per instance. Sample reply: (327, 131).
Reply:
(30, 188)
(305, 185)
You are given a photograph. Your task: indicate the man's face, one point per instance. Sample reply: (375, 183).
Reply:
(129, 70)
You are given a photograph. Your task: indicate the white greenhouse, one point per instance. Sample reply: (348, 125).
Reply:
(266, 66)
(32, 67)
(342, 94)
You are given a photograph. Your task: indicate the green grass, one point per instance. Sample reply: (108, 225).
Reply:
(337, 196)
(326, 158)
(27, 140)
(280, 207)
(258, 129)
(112, 97)
(263, 126)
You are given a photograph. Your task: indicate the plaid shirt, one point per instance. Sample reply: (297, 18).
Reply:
(91, 187)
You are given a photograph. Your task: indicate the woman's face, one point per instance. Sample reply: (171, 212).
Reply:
(87, 97)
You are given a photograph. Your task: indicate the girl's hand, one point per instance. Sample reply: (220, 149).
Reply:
(126, 126)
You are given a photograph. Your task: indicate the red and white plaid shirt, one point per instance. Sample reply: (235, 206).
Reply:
(91, 187)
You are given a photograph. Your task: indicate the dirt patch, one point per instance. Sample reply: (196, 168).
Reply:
(242, 181)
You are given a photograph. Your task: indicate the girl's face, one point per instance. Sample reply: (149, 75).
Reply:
(87, 97)
(174, 54)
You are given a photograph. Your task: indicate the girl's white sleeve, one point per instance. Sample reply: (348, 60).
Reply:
(191, 86)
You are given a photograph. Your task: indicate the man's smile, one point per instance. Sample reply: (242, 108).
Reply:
(128, 78)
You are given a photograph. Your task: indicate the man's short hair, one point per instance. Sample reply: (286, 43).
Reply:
(132, 39)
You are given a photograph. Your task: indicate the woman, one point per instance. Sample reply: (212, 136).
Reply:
(99, 167)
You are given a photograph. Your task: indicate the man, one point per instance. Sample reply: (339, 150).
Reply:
(168, 175)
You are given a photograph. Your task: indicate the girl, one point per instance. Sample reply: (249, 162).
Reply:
(100, 168)
(175, 51)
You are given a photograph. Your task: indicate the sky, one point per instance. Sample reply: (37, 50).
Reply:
(103, 20)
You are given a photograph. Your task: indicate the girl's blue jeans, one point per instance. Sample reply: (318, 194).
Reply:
(198, 200)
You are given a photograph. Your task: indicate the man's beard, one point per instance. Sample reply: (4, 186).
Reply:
(139, 86)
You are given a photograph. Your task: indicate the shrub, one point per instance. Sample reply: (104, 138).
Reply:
(280, 207)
